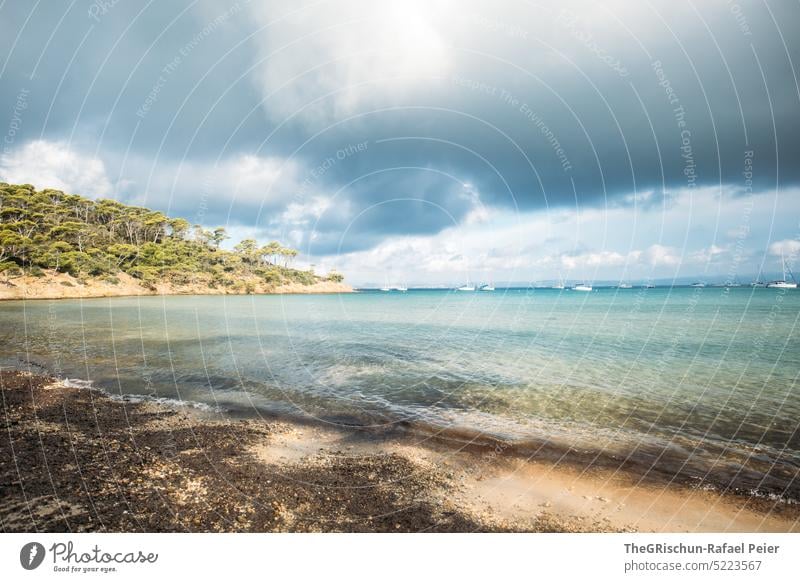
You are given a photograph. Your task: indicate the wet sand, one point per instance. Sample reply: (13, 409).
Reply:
(75, 459)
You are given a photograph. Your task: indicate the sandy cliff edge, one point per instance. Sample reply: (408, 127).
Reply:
(64, 286)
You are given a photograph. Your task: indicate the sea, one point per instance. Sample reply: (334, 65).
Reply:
(686, 384)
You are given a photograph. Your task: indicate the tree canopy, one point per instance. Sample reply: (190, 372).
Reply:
(48, 229)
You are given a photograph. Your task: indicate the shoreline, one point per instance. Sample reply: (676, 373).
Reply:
(63, 286)
(87, 461)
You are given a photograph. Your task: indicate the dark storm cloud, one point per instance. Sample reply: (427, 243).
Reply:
(530, 105)
(410, 201)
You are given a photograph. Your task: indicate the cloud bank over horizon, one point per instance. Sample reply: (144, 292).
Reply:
(433, 141)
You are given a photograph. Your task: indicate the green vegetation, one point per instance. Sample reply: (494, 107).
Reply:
(50, 230)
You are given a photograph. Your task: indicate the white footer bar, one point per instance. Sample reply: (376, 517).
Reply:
(351, 557)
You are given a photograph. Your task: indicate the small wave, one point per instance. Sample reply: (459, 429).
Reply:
(136, 398)
(774, 497)
(778, 498)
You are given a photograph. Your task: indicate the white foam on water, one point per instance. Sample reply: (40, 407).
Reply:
(135, 398)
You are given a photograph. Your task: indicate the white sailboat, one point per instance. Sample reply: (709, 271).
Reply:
(560, 284)
(784, 283)
(582, 287)
(466, 287)
(486, 287)
(624, 286)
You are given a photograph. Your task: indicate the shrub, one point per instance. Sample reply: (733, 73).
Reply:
(146, 274)
(271, 276)
(179, 278)
(10, 270)
(302, 277)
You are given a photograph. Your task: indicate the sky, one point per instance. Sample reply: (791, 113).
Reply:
(427, 142)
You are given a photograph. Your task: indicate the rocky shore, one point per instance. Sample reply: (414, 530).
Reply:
(76, 459)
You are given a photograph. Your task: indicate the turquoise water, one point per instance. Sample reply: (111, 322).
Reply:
(695, 384)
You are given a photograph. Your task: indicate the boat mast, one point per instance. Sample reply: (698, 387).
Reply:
(787, 269)
(784, 266)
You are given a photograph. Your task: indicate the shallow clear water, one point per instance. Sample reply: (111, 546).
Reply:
(698, 384)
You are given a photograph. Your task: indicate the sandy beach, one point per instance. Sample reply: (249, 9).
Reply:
(76, 459)
(65, 286)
